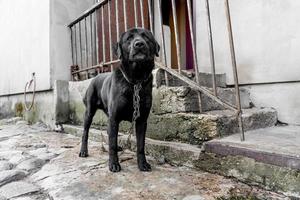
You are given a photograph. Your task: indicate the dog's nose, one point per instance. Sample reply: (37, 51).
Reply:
(139, 44)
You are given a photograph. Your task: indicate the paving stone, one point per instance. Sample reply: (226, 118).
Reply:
(193, 197)
(17, 159)
(43, 154)
(8, 176)
(17, 189)
(4, 165)
(31, 164)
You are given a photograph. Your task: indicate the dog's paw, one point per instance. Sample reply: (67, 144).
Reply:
(144, 166)
(114, 167)
(83, 154)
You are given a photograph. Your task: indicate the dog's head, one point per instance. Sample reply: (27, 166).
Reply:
(136, 49)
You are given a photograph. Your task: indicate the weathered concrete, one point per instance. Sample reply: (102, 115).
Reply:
(17, 189)
(69, 177)
(61, 101)
(269, 157)
(184, 99)
(204, 78)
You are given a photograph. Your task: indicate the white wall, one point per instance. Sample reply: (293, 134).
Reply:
(62, 12)
(283, 97)
(24, 44)
(266, 35)
(35, 38)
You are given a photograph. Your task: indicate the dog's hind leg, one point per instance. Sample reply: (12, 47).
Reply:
(88, 118)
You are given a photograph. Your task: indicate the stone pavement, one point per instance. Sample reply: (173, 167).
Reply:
(36, 163)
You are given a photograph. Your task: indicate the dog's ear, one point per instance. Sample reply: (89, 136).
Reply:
(117, 50)
(157, 48)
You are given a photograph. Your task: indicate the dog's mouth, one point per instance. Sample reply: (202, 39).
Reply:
(139, 55)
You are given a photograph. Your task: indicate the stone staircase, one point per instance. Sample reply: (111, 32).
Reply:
(178, 134)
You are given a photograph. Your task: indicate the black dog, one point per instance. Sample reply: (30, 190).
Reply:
(113, 93)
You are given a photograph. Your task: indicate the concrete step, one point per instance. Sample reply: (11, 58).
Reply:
(204, 78)
(184, 99)
(268, 158)
(198, 128)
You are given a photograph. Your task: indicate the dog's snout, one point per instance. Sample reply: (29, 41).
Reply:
(139, 44)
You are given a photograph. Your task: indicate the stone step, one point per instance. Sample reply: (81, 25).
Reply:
(197, 128)
(204, 78)
(268, 157)
(184, 99)
(281, 178)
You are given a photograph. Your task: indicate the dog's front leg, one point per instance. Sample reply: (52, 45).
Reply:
(112, 131)
(141, 127)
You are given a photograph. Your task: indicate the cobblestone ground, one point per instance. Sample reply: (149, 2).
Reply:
(36, 163)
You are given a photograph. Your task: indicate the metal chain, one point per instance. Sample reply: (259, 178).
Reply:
(136, 111)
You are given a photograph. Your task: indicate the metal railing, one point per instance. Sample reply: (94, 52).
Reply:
(94, 53)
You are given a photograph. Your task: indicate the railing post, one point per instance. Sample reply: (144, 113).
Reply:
(189, 9)
(163, 41)
(234, 68)
(211, 48)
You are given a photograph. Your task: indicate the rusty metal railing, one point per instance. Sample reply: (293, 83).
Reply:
(92, 39)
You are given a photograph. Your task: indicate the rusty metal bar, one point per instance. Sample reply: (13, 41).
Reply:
(189, 9)
(96, 66)
(178, 48)
(117, 20)
(211, 48)
(150, 15)
(96, 37)
(86, 44)
(103, 35)
(80, 44)
(91, 30)
(234, 68)
(109, 33)
(163, 40)
(72, 46)
(87, 12)
(125, 14)
(135, 13)
(142, 12)
(75, 36)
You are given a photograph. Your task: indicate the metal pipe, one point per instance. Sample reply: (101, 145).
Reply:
(72, 48)
(96, 66)
(80, 44)
(125, 14)
(234, 68)
(178, 48)
(142, 12)
(109, 33)
(211, 48)
(86, 44)
(194, 49)
(150, 15)
(117, 19)
(103, 35)
(91, 30)
(87, 12)
(135, 13)
(163, 41)
(75, 34)
(96, 36)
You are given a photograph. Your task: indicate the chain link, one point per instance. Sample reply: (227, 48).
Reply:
(136, 111)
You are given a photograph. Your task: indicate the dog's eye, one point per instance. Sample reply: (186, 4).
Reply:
(129, 37)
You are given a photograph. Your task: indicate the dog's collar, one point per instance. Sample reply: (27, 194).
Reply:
(127, 79)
